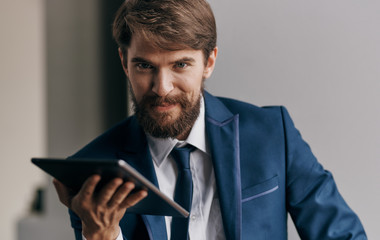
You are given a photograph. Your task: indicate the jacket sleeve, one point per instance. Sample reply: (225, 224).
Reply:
(313, 201)
(76, 224)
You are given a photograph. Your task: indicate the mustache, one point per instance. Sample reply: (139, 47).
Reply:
(154, 101)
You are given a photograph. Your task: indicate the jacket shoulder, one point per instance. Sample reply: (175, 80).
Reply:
(248, 110)
(108, 144)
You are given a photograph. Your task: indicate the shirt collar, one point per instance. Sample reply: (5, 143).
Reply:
(160, 148)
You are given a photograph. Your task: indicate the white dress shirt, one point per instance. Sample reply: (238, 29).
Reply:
(205, 216)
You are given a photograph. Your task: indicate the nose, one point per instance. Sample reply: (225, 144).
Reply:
(162, 83)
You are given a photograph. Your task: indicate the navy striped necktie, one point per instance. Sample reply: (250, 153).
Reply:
(183, 191)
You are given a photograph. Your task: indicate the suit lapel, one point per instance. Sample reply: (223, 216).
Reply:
(222, 129)
(136, 153)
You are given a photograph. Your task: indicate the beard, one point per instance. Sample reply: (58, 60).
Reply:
(165, 125)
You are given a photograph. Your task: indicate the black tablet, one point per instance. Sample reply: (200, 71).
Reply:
(73, 173)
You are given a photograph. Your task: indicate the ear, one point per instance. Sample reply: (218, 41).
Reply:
(123, 61)
(210, 65)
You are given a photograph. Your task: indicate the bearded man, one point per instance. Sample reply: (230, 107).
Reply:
(249, 166)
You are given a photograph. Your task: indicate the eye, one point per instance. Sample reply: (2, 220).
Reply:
(144, 66)
(181, 65)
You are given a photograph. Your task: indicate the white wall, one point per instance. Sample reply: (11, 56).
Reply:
(22, 107)
(321, 59)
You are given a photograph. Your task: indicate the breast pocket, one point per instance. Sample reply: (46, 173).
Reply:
(259, 190)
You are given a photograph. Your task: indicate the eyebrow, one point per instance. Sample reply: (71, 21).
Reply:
(139, 59)
(184, 59)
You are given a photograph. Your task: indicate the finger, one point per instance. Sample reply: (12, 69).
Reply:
(88, 188)
(63, 192)
(108, 191)
(121, 194)
(134, 198)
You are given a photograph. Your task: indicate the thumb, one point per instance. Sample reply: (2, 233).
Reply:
(64, 193)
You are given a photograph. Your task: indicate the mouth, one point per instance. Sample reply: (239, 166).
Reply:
(164, 107)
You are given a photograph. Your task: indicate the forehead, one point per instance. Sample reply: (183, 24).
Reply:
(142, 48)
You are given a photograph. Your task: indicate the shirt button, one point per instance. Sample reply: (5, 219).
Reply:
(193, 218)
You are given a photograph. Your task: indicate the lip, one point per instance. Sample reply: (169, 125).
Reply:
(165, 107)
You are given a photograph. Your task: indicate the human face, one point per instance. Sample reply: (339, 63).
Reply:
(166, 86)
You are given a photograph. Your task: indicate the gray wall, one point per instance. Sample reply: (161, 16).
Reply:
(22, 107)
(85, 94)
(73, 105)
(321, 59)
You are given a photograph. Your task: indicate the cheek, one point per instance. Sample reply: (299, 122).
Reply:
(191, 82)
(139, 86)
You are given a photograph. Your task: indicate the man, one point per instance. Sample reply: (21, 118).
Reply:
(249, 165)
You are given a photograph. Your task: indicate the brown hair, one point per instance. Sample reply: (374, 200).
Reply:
(167, 24)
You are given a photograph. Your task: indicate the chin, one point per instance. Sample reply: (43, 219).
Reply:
(166, 116)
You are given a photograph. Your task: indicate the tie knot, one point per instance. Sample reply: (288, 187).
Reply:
(182, 156)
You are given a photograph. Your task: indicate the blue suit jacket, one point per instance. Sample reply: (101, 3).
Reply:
(263, 170)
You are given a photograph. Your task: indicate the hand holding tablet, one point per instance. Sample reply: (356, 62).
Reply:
(73, 173)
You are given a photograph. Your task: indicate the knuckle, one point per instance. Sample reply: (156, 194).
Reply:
(129, 186)
(86, 193)
(80, 206)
